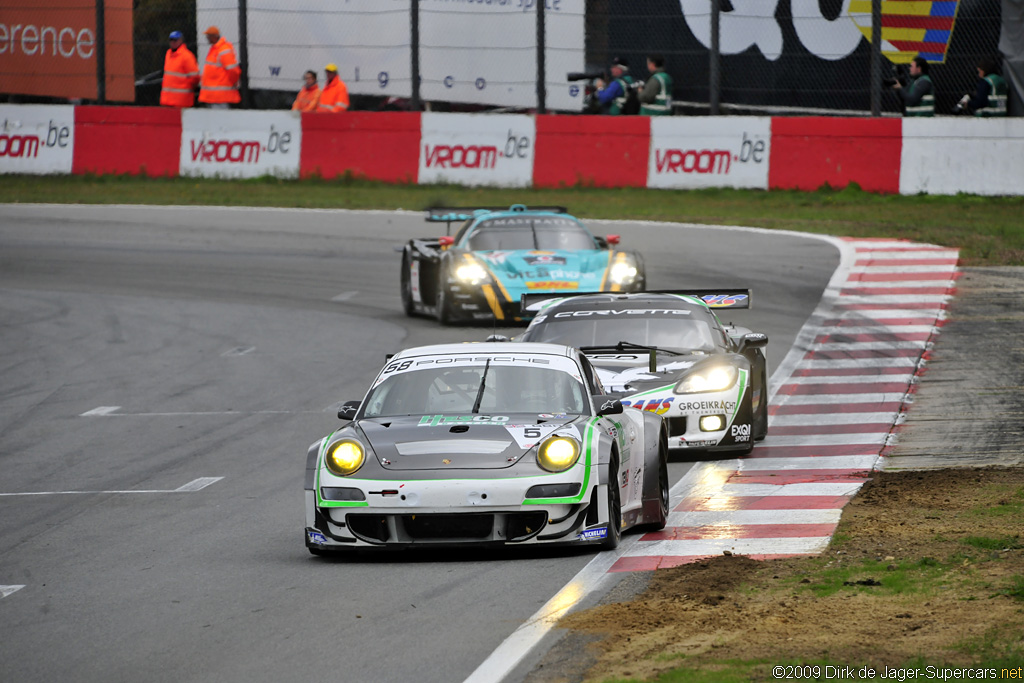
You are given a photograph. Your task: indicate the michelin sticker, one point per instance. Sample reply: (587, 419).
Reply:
(316, 537)
(593, 534)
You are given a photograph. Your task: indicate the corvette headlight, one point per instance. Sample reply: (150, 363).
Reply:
(471, 272)
(623, 273)
(344, 457)
(709, 378)
(558, 453)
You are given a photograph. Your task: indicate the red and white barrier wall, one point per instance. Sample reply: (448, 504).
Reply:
(936, 156)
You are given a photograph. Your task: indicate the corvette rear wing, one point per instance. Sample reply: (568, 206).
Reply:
(714, 298)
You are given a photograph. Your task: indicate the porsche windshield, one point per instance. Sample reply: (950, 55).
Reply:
(530, 232)
(664, 331)
(470, 387)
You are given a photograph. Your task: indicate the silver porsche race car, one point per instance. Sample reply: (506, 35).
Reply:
(668, 352)
(485, 444)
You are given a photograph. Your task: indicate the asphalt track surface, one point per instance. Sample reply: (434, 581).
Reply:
(162, 372)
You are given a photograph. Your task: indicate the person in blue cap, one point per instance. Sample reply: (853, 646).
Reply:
(181, 74)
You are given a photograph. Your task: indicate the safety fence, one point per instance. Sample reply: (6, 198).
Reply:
(756, 57)
(519, 150)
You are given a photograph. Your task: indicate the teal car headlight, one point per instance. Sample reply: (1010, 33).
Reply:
(707, 378)
(470, 272)
(623, 273)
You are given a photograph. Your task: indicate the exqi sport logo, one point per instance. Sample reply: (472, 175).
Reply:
(239, 151)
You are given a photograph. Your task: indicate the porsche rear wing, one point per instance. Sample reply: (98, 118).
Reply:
(714, 298)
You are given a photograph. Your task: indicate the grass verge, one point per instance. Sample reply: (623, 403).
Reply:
(912, 582)
(988, 230)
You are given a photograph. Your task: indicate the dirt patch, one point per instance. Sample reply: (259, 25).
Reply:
(925, 567)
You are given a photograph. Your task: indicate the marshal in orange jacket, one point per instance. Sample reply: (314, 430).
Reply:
(334, 96)
(307, 99)
(181, 74)
(221, 73)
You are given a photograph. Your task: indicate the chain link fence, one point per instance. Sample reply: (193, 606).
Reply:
(773, 56)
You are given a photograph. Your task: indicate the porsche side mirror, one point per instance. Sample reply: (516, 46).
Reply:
(607, 405)
(497, 338)
(348, 410)
(613, 239)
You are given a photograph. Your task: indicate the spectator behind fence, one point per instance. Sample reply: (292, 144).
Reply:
(181, 74)
(989, 98)
(656, 97)
(615, 97)
(334, 96)
(309, 97)
(919, 94)
(219, 84)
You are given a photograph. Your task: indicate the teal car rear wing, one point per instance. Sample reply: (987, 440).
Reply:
(714, 298)
(448, 214)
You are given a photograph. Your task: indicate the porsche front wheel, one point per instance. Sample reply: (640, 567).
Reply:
(611, 541)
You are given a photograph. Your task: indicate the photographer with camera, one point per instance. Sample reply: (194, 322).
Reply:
(918, 94)
(619, 96)
(989, 98)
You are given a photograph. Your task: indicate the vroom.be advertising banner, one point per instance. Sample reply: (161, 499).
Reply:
(49, 49)
(697, 152)
(240, 144)
(36, 138)
(470, 149)
(471, 51)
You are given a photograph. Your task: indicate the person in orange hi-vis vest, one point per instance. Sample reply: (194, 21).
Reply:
(334, 96)
(309, 97)
(218, 86)
(181, 74)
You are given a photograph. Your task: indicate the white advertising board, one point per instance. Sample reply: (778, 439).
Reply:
(471, 51)
(36, 138)
(477, 149)
(973, 155)
(694, 152)
(240, 144)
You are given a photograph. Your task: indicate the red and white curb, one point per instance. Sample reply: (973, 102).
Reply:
(836, 400)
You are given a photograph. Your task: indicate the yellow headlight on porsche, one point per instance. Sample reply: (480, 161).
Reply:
(344, 457)
(558, 453)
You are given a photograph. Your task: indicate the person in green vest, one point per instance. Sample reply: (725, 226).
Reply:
(614, 95)
(656, 97)
(989, 98)
(919, 93)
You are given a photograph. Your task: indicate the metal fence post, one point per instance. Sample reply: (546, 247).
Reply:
(714, 58)
(541, 67)
(243, 50)
(876, 57)
(101, 53)
(414, 48)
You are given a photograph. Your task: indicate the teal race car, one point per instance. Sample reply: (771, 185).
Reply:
(498, 255)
